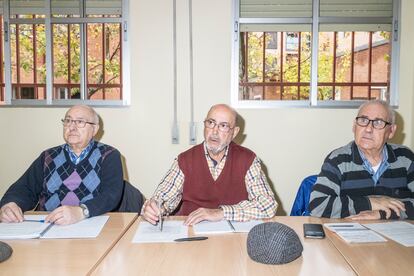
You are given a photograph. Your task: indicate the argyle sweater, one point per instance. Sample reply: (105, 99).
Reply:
(343, 185)
(53, 180)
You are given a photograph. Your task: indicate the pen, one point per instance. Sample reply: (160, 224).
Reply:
(46, 229)
(34, 220)
(160, 218)
(191, 239)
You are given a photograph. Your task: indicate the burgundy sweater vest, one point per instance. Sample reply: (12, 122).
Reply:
(201, 190)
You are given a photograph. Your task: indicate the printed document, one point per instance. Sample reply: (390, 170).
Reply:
(34, 227)
(399, 231)
(354, 232)
(85, 229)
(171, 230)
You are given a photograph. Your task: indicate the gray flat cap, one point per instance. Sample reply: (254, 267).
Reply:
(273, 243)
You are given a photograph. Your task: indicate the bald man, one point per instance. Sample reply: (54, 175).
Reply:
(215, 180)
(369, 178)
(79, 179)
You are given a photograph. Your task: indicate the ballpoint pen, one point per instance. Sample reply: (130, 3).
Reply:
(160, 217)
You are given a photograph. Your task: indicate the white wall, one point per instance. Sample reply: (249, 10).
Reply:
(292, 142)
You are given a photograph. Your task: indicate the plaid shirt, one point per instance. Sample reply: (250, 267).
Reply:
(261, 202)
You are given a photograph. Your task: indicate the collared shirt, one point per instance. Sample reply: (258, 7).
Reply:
(384, 165)
(260, 204)
(76, 159)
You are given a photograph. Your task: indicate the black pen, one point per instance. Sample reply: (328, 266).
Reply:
(191, 239)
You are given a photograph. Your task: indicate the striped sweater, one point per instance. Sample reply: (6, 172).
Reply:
(343, 185)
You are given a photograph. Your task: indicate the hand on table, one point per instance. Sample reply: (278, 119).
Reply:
(366, 215)
(386, 204)
(204, 214)
(65, 215)
(11, 212)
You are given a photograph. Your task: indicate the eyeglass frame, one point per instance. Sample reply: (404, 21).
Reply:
(76, 122)
(371, 122)
(218, 125)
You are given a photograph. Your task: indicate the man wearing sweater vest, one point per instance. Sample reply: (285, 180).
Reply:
(215, 180)
(73, 181)
(368, 178)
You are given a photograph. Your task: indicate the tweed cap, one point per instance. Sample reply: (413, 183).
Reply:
(273, 243)
(5, 251)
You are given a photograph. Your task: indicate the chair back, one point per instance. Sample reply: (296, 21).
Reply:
(131, 201)
(301, 204)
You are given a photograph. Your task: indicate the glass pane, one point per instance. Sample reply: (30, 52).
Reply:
(255, 57)
(343, 57)
(325, 57)
(272, 93)
(66, 60)
(325, 93)
(381, 57)
(361, 56)
(104, 60)
(343, 93)
(360, 93)
(28, 57)
(290, 93)
(286, 58)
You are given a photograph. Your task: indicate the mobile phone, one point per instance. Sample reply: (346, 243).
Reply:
(313, 230)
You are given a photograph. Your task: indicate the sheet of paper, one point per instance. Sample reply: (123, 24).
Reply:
(171, 230)
(244, 227)
(87, 228)
(344, 226)
(212, 227)
(360, 236)
(25, 229)
(399, 231)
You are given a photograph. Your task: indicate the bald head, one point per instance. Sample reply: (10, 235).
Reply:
(88, 111)
(224, 108)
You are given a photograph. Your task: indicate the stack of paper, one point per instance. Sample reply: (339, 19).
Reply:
(354, 232)
(399, 231)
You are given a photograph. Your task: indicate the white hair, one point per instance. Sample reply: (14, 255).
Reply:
(390, 111)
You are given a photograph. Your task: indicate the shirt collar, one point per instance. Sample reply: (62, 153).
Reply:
(76, 159)
(365, 160)
(208, 154)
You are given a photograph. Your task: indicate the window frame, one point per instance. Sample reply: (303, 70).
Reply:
(314, 22)
(48, 21)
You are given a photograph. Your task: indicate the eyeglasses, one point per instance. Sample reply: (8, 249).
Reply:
(376, 123)
(223, 127)
(78, 123)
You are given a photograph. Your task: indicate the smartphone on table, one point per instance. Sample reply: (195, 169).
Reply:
(313, 230)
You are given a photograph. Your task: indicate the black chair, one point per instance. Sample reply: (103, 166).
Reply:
(131, 201)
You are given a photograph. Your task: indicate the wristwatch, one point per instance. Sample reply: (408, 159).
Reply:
(85, 210)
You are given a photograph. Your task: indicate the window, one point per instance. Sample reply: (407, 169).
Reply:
(64, 52)
(314, 53)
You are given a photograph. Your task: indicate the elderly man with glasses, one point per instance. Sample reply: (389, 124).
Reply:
(368, 178)
(214, 180)
(79, 179)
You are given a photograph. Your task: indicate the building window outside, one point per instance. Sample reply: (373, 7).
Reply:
(353, 61)
(85, 63)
